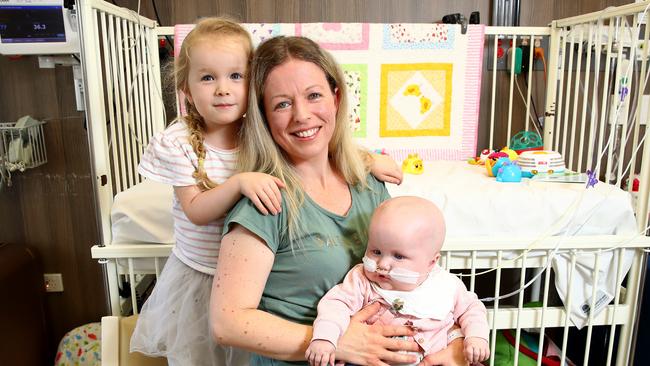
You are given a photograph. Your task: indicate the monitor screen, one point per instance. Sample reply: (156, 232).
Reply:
(31, 24)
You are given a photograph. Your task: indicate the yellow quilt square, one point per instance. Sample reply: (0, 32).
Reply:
(415, 99)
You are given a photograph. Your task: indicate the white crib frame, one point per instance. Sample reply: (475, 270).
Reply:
(123, 86)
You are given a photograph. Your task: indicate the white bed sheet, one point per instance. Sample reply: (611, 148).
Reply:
(477, 205)
(143, 214)
(473, 203)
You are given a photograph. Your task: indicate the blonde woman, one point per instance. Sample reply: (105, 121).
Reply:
(273, 270)
(198, 156)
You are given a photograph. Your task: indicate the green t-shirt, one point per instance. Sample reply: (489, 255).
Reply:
(330, 245)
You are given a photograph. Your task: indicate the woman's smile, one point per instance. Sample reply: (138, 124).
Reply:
(307, 134)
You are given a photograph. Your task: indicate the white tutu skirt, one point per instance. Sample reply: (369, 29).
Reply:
(174, 322)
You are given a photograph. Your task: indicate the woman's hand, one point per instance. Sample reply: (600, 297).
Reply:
(384, 168)
(364, 344)
(451, 356)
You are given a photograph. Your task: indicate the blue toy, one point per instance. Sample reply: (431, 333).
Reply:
(509, 172)
(498, 165)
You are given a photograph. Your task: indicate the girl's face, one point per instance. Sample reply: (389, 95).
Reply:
(217, 84)
(300, 109)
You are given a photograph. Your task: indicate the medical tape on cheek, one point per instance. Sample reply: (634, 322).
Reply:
(397, 274)
(404, 276)
(369, 265)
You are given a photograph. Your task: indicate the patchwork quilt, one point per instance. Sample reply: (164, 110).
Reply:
(413, 88)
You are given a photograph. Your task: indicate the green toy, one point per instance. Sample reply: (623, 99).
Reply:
(526, 140)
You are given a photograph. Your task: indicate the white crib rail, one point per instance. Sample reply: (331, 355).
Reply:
(528, 255)
(611, 70)
(517, 256)
(516, 35)
(123, 103)
(119, 260)
(600, 58)
(123, 96)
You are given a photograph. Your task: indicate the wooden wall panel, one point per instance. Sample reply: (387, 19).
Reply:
(541, 13)
(180, 11)
(51, 208)
(11, 222)
(11, 226)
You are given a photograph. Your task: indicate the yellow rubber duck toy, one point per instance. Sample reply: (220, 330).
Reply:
(413, 164)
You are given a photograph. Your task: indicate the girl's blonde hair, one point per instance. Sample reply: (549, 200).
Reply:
(258, 150)
(214, 29)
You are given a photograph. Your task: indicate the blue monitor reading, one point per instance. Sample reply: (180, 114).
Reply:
(30, 24)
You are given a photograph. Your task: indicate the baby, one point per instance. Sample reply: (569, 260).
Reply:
(400, 271)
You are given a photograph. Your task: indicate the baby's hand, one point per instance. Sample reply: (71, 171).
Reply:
(263, 190)
(320, 353)
(476, 349)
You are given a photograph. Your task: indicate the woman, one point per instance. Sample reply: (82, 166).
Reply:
(272, 270)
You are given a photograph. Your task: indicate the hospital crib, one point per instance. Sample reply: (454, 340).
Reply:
(595, 73)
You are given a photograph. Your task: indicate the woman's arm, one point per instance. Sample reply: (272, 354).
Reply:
(384, 168)
(242, 271)
(243, 268)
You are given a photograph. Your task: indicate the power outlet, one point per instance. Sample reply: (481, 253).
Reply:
(53, 282)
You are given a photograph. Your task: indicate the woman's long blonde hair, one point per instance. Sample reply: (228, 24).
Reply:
(215, 29)
(258, 150)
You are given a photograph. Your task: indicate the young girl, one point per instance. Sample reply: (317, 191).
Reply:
(198, 155)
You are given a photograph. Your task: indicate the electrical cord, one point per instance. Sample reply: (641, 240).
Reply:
(539, 53)
(534, 120)
(140, 69)
(618, 108)
(532, 101)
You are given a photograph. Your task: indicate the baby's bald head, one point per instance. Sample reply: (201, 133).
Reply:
(412, 219)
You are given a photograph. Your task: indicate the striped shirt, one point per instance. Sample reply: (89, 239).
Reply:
(170, 159)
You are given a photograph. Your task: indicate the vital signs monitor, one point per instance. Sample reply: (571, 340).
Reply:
(37, 27)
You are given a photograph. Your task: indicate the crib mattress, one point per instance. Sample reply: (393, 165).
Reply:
(473, 203)
(477, 205)
(143, 214)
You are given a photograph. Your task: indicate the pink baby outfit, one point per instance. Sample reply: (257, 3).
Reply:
(431, 309)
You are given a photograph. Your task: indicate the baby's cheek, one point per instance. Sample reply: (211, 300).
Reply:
(372, 276)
